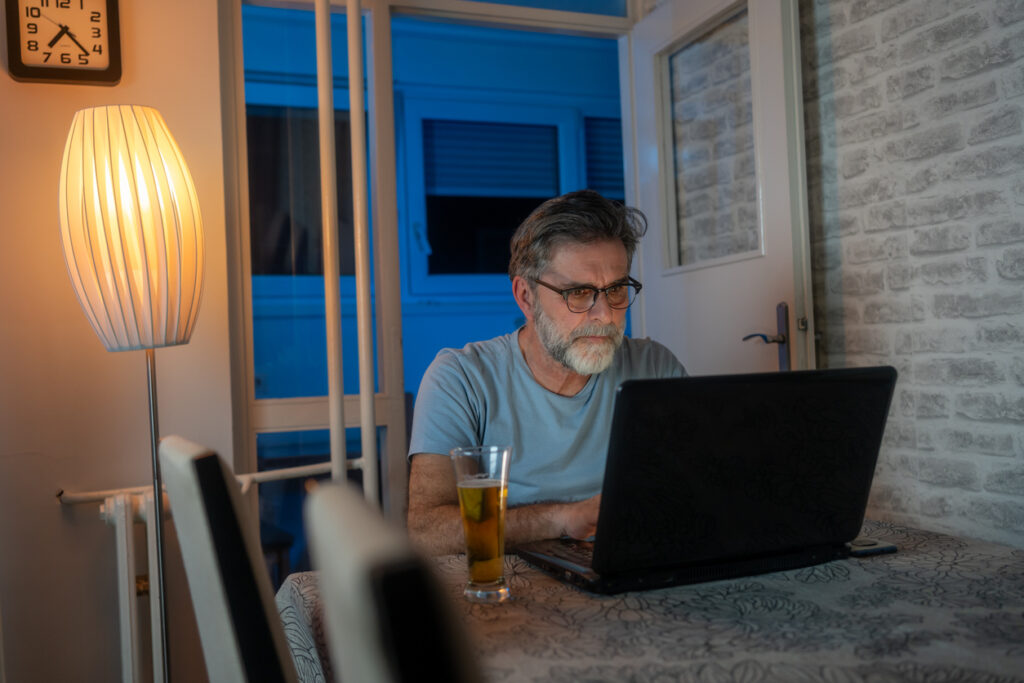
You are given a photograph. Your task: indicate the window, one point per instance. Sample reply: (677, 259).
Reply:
(475, 170)
(481, 180)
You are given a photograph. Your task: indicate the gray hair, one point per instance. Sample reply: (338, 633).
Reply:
(581, 217)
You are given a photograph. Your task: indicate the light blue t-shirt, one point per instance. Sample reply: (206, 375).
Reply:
(484, 393)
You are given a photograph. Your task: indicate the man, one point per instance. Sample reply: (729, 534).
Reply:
(546, 389)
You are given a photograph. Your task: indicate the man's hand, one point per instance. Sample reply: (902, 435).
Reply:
(579, 520)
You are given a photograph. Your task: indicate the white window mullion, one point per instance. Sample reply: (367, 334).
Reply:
(390, 375)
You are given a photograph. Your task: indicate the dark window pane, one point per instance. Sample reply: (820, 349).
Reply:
(471, 234)
(284, 191)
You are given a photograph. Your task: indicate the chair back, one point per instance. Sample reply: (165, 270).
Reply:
(386, 616)
(239, 626)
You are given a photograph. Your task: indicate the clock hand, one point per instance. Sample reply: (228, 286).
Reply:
(61, 32)
(80, 46)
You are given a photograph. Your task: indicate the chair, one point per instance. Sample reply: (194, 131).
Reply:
(386, 617)
(239, 627)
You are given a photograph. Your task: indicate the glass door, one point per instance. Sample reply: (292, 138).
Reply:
(437, 72)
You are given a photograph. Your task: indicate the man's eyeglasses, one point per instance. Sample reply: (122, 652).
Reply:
(582, 298)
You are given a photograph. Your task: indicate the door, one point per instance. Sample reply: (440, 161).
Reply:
(718, 169)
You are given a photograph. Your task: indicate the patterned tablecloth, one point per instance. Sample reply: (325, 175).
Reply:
(942, 609)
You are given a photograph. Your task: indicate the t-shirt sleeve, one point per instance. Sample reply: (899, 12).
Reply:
(657, 361)
(669, 365)
(445, 414)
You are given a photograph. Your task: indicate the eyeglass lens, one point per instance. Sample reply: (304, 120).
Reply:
(582, 299)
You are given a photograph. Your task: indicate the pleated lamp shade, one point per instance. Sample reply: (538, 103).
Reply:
(131, 228)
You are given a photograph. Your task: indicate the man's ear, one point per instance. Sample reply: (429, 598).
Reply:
(524, 296)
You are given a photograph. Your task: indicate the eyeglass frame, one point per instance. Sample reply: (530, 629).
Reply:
(564, 293)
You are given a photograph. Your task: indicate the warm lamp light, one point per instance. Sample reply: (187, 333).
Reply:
(133, 243)
(131, 228)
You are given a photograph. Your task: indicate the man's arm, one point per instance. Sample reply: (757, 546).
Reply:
(436, 527)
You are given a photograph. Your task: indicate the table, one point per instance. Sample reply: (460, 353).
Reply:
(941, 609)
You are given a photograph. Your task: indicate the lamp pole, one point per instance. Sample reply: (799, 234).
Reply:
(158, 510)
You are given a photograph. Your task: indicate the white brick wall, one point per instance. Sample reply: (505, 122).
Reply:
(914, 113)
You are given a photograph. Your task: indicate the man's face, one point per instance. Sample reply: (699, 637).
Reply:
(583, 342)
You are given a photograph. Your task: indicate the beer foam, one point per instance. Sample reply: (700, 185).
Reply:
(479, 483)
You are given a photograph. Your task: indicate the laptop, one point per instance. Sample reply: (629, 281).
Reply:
(717, 477)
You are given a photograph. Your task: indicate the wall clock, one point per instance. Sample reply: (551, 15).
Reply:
(64, 41)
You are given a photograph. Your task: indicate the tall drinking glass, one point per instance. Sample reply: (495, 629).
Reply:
(481, 475)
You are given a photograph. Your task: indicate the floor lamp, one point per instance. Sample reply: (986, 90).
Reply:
(133, 243)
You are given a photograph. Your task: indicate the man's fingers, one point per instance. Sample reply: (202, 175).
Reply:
(581, 518)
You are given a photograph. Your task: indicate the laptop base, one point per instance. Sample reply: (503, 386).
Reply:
(650, 579)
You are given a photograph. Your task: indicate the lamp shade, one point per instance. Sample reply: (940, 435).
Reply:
(131, 228)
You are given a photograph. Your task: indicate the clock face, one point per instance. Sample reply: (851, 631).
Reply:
(64, 40)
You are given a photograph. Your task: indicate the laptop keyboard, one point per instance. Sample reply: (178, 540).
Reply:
(577, 552)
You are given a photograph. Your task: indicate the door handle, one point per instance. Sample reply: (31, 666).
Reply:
(781, 337)
(777, 339)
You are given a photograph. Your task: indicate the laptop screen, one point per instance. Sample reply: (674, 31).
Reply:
(732, 466)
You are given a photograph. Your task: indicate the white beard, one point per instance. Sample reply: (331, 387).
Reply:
(579, 355)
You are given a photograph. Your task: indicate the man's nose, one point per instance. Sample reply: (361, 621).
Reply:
(601, 311)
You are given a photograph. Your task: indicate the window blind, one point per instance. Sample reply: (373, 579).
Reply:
(603, 139)
(480, 159)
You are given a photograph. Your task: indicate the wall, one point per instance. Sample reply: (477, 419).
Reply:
(71, 414)
(915, 151)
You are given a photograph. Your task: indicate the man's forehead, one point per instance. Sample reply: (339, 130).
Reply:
(588, 261)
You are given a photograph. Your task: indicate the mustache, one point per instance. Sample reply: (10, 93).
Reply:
(595, 330)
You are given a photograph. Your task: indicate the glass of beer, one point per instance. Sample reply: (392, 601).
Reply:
(481, 475)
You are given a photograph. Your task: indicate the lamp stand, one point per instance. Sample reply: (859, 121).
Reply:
(158, 507)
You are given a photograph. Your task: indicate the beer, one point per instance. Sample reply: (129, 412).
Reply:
(482, 502)
(481, 477)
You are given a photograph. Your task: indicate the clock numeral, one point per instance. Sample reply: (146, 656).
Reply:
(95, 17)
(96, 33)
(32, 46)
(83, 60)
(63, 4)
(97, 48)
(32, 27)
(46, 56)
(65, 58)
(32, 12)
